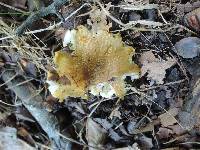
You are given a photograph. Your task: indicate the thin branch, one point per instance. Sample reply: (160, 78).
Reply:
(33, 102)
(110, 16)
(79, 143)
(15, 105)
(50, 27)
(21, 83)
(13, 8)
(51, 9)
(137, 7)
(158, 86)
(7, 81)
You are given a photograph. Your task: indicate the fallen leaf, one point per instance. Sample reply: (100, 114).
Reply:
(155, 67)
(108, 126)
(177, 129)
(148, 128)
(22, 132)
(28, 67)
(115, 113)
(4, 115)
(104, 123)
(26, 135)
(146, 143)
(188, 47)
(131, 127)
(168, 118)
(60, 34)
(98, 19)
(164, 133)
(95, 134)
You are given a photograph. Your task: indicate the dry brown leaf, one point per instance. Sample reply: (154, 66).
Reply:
(115, 113)
(1, 62)
(4, 115)
(177, 129)
(167, 118)
(164, 133)
(28, 67)
(22, 132)
(95, 134)
(149, 127)
(18, 3)
(98, 19)
(145, 142)
(60, 33)
(155, 68)
(97, 58)
(26, 135)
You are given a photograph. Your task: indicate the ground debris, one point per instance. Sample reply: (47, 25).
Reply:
(96, 47)
(9, 140)
(168, 118)
(156, 68)
(188, 47)
(95, 134)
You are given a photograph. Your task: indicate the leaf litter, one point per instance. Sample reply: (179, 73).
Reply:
(155, 67)
(105, 59)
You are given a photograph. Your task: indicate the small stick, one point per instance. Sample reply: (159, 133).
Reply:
(51, 9)
(33, 102)
(13, 8)
(50, 27)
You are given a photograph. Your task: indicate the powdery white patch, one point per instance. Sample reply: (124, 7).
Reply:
(53, 86)
(106, 90)
(103, 89)
(69, 37)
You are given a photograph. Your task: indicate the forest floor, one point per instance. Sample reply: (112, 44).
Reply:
(68, 80)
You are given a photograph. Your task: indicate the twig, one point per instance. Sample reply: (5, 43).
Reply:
(28, 47)
(20, 83)
(13, 8)
(138, 7)
(198, 143)
(179, 62)
(50, 27)
(158, 86)
(180, 26)
(165, 21)
(10, 104)
(7, 81)
(108, 14)
(97, 105)
(43, 146)
(79, 143)
(33, 102)
(131, 23)
(149, 99)
(51, 9)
